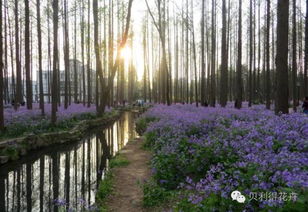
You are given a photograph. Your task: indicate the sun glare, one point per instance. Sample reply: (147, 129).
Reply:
(126, 53)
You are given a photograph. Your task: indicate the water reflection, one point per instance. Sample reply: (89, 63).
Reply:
(65, 176)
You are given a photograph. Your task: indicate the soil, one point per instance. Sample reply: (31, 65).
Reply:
(127, 194)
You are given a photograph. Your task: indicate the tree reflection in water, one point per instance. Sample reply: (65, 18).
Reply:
(64, 177)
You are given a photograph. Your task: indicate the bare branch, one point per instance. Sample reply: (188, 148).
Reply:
(152, 16)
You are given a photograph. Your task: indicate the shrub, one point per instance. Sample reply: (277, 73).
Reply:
(142, 124)
(210, 152)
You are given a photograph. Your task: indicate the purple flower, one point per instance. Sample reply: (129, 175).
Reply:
(217, 150)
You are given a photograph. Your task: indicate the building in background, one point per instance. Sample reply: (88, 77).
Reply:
(47, 82)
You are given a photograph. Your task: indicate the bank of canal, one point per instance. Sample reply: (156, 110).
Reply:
(66, 175)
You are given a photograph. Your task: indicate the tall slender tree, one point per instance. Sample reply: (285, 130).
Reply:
(306, 54)
(144, 42)
(224, 59)
(89, 57)
(160, 26)
(99, 67)
(55, 6)
(294, 56)
(258, 89)
(268, 72)
(213, 62)
(282, 57)
(5, 73)
(66, 56)
(239, 82)
(82, 25)
(250, 90)
(1, 72)
(27, 56)
(110, 50)
(39, 38)
(75, 56)
(49, 78)
(194, 55)
(18, 98)
(203, 80)
(108, 85)
(187, 52)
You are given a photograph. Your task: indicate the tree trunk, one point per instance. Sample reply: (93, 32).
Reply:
(268, 76)
(160, 26)
(1, 73)
(145, 62)
(176, 60)
(6, 77)
(39, 37)
(213, 74)
(282, 57)
(203, 86)
(258, 88)
(27, 56)
(194, 56)
(224, 59)
(110, 51)
(75, 56)
(82, 25)
(13, 88)
(187, 54)
(66, 56)
(97, 49)
(88, 59)
(250, 55)
(49, 80)
(18, 98)
(239, 83)
(306, 53)
(294, 62)
(55, 7)
(107, 87)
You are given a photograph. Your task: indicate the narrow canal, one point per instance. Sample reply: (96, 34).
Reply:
(65, 177)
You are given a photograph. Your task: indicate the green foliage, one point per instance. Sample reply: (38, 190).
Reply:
(118, 161)
(207, 205)
(104, 190)
(301, 205)
(11, 152)
(15, 129)
(44, 126)
(106, 185)
(155, 195)
(149, 140)
(142, 124)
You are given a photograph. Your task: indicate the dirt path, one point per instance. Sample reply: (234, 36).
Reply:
(128, 194)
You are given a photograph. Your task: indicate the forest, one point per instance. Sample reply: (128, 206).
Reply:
(204, 103)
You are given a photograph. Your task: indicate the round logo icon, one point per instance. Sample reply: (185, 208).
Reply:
(236, 195)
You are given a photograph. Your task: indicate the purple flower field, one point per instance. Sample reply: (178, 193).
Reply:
(25, 121)
(207, 153)
(33, 117)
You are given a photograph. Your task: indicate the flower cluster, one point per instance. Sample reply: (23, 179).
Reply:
(33, 117)
(210, 152)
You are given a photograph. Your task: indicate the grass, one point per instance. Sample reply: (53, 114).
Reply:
(104, 190)
(106, 185)
(155, 196)
(119, 161)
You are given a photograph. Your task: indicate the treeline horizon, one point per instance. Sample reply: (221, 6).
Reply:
(201, 51)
